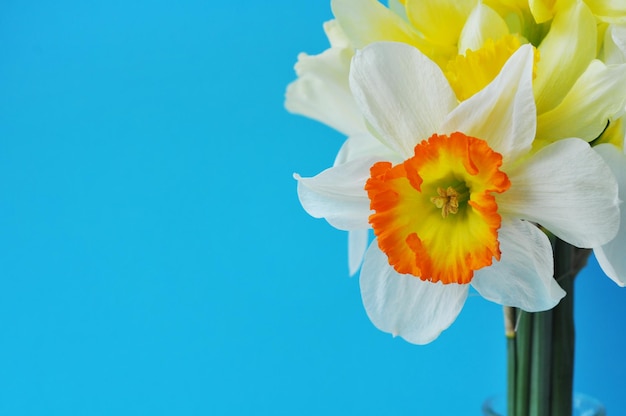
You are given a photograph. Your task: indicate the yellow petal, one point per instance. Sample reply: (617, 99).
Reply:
(482, 24)
(368, 21)
(565, 53)
(597, 97)
(471, 73)
(614, 134)
(614, 51)
(441, 21)
(507, 4)
(611, 11)
(542, 10)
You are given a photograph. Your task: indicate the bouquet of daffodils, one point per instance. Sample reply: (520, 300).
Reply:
(485, 148)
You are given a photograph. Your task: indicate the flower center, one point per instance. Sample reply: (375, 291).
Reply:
(448, 199)
(435, 214)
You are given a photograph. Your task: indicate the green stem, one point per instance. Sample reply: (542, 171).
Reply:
(540, 366)
(563, 333)
(509, 325)
(523, 343)
(540, 351)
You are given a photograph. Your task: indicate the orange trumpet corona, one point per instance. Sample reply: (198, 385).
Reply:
(435, 214)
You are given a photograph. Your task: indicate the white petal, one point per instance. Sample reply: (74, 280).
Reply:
(503, 113)
(523, 277)
(321, 91)
(567, 188)
(357, 244)
(402, 94)
(404, 305)
(483, 23)
(338, 195)
(363, 145)
(612, 255)
(597, 97)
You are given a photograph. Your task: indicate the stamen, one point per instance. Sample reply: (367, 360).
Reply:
(448, 201)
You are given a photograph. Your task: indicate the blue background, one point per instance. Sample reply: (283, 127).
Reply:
(154, 258)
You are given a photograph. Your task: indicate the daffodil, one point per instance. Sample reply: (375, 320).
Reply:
(471, 40)
(576, 95)
(455, 197)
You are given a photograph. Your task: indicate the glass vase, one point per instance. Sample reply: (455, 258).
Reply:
(582, 405)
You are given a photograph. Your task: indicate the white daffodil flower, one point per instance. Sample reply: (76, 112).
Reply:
(454, 197)
(576, 95)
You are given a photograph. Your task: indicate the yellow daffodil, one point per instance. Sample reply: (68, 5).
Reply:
(454, 196)
(471, 40)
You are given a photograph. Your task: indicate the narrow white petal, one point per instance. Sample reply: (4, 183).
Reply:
(523, 277)
(612, 255)
(363, 145)
(322, 93)
(357, 245)
(567, 188)
(338, 195)
(402, 94)
(404, 305)
(503, 113)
